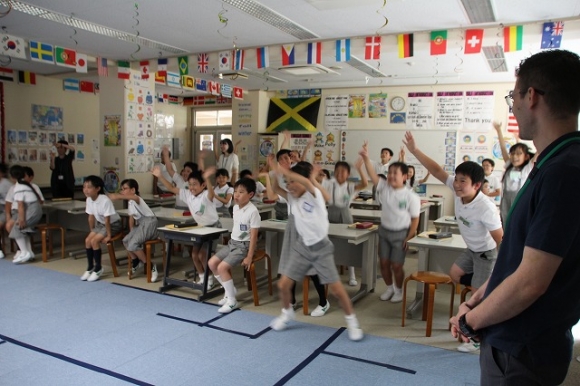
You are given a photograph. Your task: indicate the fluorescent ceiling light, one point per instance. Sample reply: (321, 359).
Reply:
(233, 75)
(495, 58)
(479, 11)
(268, 16)
(365, 67)
(307, 69)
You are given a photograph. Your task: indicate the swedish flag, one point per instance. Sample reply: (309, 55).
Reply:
(41, 52)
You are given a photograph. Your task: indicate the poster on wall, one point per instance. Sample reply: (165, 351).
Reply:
(378, 105)
(336, 112)
(111, 179)
(268, 144)
(112, 130)
(47, 117)
(357, 106)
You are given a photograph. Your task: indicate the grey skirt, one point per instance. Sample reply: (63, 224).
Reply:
(33, 216)
(144, 230)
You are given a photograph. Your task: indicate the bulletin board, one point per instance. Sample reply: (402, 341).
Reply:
(440, 145)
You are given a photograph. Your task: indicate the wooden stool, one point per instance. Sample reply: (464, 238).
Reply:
(305, 288)
(430, 281)
(259, 255)
(149, 250)
(111, 249)
(45, 234)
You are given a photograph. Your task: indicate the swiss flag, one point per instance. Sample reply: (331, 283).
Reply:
(238, 93)
(473, 41)
(144, 64)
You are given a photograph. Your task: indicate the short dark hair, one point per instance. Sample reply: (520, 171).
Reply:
(326, 172)
(248, 183)
(196, 175)
(342, 164)
(3, 168)
(28, 171)
(131, 183)
(387, 149)
(399, 165)
(245, 173)
(63, 142)
(303, 168)
(491, 162)
(192, 165)
(281, 152)
(557, 74)
(229, 143)
(97, 182)
(472, 170)
(222, 172)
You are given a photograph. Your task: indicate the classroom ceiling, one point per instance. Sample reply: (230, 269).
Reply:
(171, 28)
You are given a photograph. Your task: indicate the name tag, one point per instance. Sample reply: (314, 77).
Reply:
(308, 207)
(402, 204)
(464, 221)
(61, 177)
(201, 210)
(244, 227)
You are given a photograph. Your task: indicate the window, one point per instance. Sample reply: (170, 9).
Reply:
(212, 118)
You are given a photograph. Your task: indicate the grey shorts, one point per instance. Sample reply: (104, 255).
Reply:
(319, 257)
(391, 245)
(2, 217)
(116, 227)
(234, 252)
(479, 263)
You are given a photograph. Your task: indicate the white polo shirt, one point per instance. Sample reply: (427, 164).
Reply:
(201, 207)
(229, 162)
(398, 206)
(515, 179)
(102, 207)
(139, 210)
(222, 192)
(476, 220)
(22, 193)
(181, 184)
(494, 183)
(310, 216)
(245, 219)
(381, 168)
(340, 194)
(165, 175)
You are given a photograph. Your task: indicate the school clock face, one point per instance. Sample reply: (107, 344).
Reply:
(398, 103)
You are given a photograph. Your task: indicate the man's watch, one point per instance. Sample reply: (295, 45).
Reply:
(465, 328)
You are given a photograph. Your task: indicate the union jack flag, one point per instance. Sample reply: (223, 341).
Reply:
(202, 63)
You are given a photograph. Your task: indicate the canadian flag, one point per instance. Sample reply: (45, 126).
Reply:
(214, 88)
(238, 93)
(473, 41)
(144, 64)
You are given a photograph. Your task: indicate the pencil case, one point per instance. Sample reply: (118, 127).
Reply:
(364, 225)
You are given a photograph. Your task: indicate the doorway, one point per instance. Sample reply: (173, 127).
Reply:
(209, 128)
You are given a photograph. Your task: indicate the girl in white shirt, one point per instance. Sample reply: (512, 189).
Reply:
(26, 211)
(142, 226)
(104, 223)
(223, 193)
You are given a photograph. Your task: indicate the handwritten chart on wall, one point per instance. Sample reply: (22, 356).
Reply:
(440, 145)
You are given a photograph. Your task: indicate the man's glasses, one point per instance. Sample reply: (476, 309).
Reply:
(509, 98)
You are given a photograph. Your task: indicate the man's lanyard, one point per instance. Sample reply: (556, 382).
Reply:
(534, 171)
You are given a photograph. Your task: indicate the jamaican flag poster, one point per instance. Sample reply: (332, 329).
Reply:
(293, 114)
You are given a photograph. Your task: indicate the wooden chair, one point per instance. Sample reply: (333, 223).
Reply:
(464, 293)
(259, 255)
(305, 289)
(111, 250)
(430, 281)
(149, 252)
(46, 238)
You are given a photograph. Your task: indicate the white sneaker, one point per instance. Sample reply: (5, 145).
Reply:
(137, 268)
(281, 322)
(154, 273)
(25, 257)
(352, 282)
(397, 297)
(319, 310)
(96, 275)
(223, 300)
(16, 257)
(388, 294)
(2, 254)
(468, 347)
(355, 333)
(86, 275)
(228, 307)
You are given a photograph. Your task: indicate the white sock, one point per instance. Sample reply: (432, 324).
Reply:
(397, 290)
(200, 276)
(351, 273)
(217, 277)
(230, 289)
(28, 244)
(21, 242)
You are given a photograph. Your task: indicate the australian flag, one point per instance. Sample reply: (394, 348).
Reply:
(552, 34)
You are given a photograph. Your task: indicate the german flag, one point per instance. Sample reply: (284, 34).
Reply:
(405, 45)
(26, 77)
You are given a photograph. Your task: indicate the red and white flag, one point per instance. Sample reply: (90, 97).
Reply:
(214, 88)
(238, 93)
(144, 64)
(473, 41)
(81, 63)
(373, 48)
(512, 123)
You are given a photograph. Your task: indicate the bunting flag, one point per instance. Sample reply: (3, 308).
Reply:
(13, 46)
(512, 38)
(293, 114)
(225, 62)
(288, 54)
(144, 65)
(65, 57)
(512, 123)
(201, 85)
(102, 66)
(202, 63)
(214, 87)
(183, 63)
(262, 57)
(82, 63)
(552, 34)
(173, 100)
(97, 87)
(6, 74)
(87, 86)
(173, 79)
(438, 42)
(123, 69)
(314, 53)
(188, 82)
(343, 50)
(238, 93)
(226, 90)
(71, 84)
(405, 42)
(373, 48)
(161, 67)
(473, 41)
(41, 52)
(160, 79)
(239, 59)
(26, 77)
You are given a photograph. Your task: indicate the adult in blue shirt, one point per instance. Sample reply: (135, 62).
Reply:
(524, 314)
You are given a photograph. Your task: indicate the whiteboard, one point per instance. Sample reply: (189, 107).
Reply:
(439, 145)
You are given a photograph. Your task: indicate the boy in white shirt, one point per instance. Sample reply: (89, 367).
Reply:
(400, 208)
(158, 186)
(242, 244)
(223, 193)
(311, 249)
(494, 182)
(478, 220)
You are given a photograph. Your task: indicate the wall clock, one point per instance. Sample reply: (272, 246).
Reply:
(398, 103)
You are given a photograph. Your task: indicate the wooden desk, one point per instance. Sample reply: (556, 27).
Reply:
(190, 236)
(446, 224)
(434, 255)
